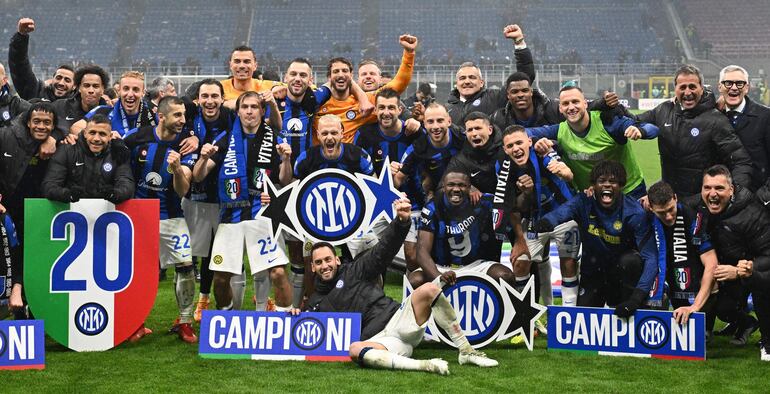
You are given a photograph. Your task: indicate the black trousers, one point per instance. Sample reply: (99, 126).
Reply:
(612, 285)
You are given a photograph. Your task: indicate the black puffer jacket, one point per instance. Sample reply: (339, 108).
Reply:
(354, 288)
(691, 141)
(17, 147)
(479, 163)
(99, 175)
(11, 106)
(546, 112)
(742, 232)
(68, 112)
(24, 80)
(488, 100)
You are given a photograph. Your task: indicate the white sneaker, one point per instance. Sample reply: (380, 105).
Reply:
(476, 357)
(439, 366)
(764, 352)
(541, 327)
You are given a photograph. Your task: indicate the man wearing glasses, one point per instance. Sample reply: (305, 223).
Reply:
(694, 136)
(750, 120)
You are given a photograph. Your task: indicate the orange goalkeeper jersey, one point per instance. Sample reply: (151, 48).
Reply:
(347, 109)
(257, 85)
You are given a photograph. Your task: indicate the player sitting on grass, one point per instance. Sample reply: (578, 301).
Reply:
(389, 330)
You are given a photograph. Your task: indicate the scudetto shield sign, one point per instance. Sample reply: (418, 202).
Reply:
(95, 271)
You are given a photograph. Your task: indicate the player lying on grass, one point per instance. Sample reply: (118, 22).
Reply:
(389, 331)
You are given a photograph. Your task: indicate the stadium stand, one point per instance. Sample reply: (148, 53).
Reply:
(716, 22)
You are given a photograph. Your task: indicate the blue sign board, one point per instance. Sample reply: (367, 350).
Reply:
(278, 335)
(647, 333)
(22, 344)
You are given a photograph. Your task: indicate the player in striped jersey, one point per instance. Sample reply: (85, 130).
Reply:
(457, 235)
(130, 112)
(431, 152)
(330, 153)
(208, 119)
(162, 172)
(541, 185)
(242, 160)
(389, 138)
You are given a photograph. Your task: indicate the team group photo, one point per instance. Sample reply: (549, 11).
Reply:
(350, 195)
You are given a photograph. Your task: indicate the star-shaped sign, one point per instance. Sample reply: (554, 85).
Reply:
(276, 211)
(384, 193)
(526, 312)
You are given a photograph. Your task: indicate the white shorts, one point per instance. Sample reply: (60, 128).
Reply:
(174, 245)
(412, 236)
(402, 333)
(567, 239)
(252, 235)
(202, 220)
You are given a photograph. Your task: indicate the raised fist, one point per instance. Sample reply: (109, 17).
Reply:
(408, 42)
(26, 25)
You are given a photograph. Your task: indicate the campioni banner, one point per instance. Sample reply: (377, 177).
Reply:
(91, 268)
(22, 344)
(646, 334)
(312, 336)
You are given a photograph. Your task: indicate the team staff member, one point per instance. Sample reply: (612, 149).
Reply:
(24, 80)
(21, 175)
(586, 138)
(690, 262)
(89, 168)
(162, 172)
(349, 104)
(737, 225)
(694, 136)
(243, 160)
(750, 121)
(470, 94)
(389, 332)
(619, 262)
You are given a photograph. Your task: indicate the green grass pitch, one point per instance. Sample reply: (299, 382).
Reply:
(162, 363)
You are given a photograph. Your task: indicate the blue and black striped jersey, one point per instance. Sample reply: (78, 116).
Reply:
(297, 129)
(351, 159)
(461, 234)
(262, 160)
(151, 171)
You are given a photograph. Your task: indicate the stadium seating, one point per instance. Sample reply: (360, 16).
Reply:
(731, 28)
(82, 30)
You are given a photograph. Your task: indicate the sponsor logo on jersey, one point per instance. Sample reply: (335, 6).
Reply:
(294, 125)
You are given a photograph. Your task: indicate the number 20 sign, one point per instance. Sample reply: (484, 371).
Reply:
(91, 268)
